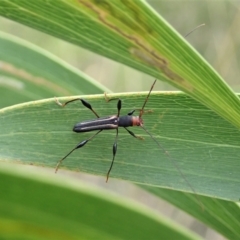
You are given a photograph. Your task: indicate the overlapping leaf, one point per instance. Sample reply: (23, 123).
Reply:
(30, 73)
(37, 206)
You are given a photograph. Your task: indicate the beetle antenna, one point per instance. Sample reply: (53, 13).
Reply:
(141, 111)
(175, 164)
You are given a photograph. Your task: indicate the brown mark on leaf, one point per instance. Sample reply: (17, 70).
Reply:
(153, 60)
(102, 15)
(20, 73)
(139, 18)
(143, 51)
(135, 21)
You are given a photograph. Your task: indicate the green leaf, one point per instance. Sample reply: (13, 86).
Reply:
(30, 73)
(203, 145)
(131, 33)
(40, 206)
(221, 215)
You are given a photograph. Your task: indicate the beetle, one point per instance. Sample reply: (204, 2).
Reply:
(107, 123)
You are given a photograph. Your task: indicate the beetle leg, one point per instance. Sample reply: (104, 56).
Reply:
(131, 113)
(79, 145)
(114, 153)
(119, 104)
(131, 133)
(85, 104)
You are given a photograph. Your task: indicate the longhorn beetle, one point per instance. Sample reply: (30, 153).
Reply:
(107, 123)
(114, 122)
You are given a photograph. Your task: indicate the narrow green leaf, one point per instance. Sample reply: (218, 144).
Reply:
(203, 145)
(40, 206)
(221, 215)
(131, 33)
(28, 72)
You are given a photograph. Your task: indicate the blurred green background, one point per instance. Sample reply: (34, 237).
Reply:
(218, 41)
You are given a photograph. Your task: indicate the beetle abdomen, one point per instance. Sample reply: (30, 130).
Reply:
(110, 122)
